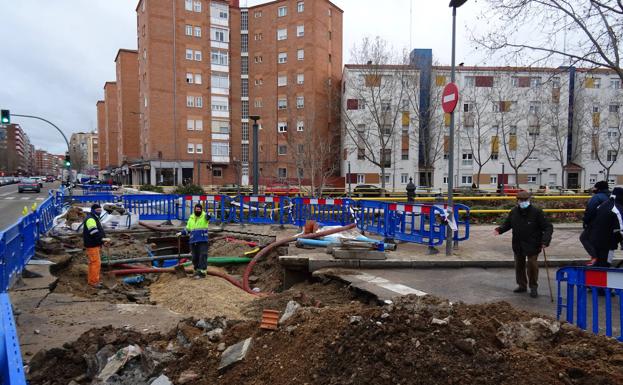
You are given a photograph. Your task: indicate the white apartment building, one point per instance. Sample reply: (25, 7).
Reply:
(530, 127)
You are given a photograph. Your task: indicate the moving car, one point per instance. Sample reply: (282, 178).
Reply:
(50, 178)
(38, 179)
(28, 184)
(368, 190)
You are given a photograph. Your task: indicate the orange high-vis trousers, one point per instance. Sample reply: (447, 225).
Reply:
(93, 254)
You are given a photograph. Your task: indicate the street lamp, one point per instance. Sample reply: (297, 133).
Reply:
(454, 4)
(256, 150)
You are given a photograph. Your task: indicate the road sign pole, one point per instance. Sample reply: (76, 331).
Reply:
(449, 233)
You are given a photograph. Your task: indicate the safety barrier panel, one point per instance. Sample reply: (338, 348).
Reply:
(580, 281)
(371, 217)
(259, 210)
(416, 223)
(219, 207)
(11, 365)
(93, 198)
(154, 207)
(325, 211)
(461, 218)
(95, 188)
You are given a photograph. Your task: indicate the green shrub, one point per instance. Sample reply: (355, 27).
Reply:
(191, 189)
(152, 188)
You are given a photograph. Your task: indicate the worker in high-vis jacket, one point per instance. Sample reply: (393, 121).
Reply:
(197, 228)
(94, 238)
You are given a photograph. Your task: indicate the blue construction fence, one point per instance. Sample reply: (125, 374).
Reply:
(592, 299)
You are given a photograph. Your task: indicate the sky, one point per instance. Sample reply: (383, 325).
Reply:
(60, 53)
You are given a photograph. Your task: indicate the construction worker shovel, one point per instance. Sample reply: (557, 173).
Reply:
(549, 281)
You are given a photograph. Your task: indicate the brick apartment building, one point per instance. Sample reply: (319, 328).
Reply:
(17, 155)
(203, 68)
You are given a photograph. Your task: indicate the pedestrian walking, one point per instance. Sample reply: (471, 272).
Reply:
(605, 235)
(197, 227)
(94, 238)
(601, 194)
(532, 232)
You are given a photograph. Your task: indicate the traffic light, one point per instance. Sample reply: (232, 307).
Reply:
(67, 161)
(6, 117)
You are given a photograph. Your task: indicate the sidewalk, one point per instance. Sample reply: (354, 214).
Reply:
(482, 249)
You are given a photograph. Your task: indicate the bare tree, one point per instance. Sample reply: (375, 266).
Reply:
(587, 32)
(78, 158)
(372, 113)
(476, 126)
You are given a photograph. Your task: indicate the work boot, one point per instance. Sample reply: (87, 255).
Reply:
(520, 289)
(534, 293)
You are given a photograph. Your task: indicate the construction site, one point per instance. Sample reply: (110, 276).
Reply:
(277, 307)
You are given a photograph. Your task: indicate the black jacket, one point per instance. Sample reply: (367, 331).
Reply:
(597, 199)
(92, 235)
(605, 227)
(531, 230)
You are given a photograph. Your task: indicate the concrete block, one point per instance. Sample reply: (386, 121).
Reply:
(359, 254)
(235, 353)
(316, 264)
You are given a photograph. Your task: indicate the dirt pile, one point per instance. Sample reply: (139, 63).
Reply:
(414, 341)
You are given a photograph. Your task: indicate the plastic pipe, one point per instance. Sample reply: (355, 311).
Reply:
(267, 249)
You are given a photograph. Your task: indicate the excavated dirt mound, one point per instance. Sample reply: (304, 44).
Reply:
(414, 341)
(208, 297)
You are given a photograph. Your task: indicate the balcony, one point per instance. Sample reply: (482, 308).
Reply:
(224, 22)
(216, 159)
(219, 136)
(220, 114)
(220, 68)
(219, 44)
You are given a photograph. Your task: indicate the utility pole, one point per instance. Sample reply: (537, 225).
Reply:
(256, 150)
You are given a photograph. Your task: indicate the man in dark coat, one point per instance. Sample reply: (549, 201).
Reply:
(606, 226)
(532, 232)
(601, 194)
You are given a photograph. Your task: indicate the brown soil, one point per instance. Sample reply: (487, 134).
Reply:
(415, 341)
(223, 248)
(201, 298)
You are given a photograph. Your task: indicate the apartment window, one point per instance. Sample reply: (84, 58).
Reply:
(300, 78)
(145, 101)
(244, 85)
(445, 179)
(386, 129)
(282, 80)
(257, 14)
(197, 55)
(361, 153)
(197, 6)
(259, 82)
(535, 82)
(197, 31)
(282, 149)
(199, 148)
(282, 34)
(245, 152)
(189, 54)
(198, 79)
(300, 30)
(300, 102)
(613, 132)
(189, 30)
(219, 57)
(300, 126)
(220, 80)
(244, 19)
(361, 178)
(611, 156)
(220, 127)
(245, 109)
(282, 58)
(199, 101)
(258, 103)
(470, 81)
(190, 101)
(245, 131)
(219, 34)
(188, 5)
(300, 54)
(244, 65)
(467, 159)
(613, 108)
(466, 179)
(220, 105)
(282, 11)
(282, 103)
(257, 59)
(220, 149)
(615, 83)
(258, 36)
(535, 107)
(493, 180)
(190, 78)
(282, 127)
(404, 178)
(329, 34)
(386, 157)
(192, 123)
(405, 154)
(282, 172)
(329, 12)
(595, 109)
(300, 7)
(532, 179)
(191, 148)
(244, 43)
(596, 83)
(385, 106)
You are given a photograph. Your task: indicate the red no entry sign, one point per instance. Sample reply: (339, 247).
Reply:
(449, 98)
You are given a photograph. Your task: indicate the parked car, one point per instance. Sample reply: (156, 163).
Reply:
(50, 178)
(509, 190)
(469, 191)
(28, 184)
(368, 190)
(282, 190)
(38, 179)
(233, 189)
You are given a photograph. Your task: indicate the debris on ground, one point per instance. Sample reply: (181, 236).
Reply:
(354, 343)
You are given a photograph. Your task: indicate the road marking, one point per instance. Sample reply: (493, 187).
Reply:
(7, 193)
(25, 198)
(39, 199)
(9, 198)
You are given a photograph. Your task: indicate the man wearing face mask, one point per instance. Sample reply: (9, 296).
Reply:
(532, 232)
(197, 227)
(94, 237)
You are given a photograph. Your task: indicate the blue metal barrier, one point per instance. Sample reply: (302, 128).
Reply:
(416, 223)
(259, 210)
(93, 198)
(371, 217)
(95, 188)
(326, 212)
(151, 207)
(11, 365)
(579, 281)
(462, 222)
(219, 207)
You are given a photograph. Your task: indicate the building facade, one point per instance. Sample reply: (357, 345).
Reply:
(127, 106)
(532, 127)
(84, 152)
(17, 155)
(102, 158)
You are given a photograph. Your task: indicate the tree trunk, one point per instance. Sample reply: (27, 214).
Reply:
(516, 177)
(478, 176)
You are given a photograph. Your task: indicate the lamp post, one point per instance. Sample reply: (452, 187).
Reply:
(454, 4)
(503, 180)
(349, 179)
(256, 150)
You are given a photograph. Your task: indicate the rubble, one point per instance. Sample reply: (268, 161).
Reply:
(235, 353)
(290, 310)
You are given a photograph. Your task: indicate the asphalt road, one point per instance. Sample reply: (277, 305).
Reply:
(12, 203)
